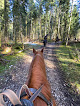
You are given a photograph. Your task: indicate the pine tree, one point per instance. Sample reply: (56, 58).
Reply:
(1, 20)
(74, 23)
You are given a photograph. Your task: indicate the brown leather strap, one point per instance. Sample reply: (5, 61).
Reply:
(2, 103)
(49, 103)
(24, 88)
(36, 94)
(12, 97)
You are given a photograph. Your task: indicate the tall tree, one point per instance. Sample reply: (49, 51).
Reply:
(39, 16)
(19, 19)
(6, 19)
(64, 9)
(69, 24)
(74, 23)
(1, 20)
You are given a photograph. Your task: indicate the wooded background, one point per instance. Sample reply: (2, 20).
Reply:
(25, 20)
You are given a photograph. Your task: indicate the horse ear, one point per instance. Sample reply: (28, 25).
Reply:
(34, 51)
(42, 50)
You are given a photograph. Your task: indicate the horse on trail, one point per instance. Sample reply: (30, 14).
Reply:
(38, 77)
(36, 91)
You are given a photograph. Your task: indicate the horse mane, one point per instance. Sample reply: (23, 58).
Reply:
(37, 77)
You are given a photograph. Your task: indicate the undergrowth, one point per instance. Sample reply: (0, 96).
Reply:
(69, 60)
(8, 60)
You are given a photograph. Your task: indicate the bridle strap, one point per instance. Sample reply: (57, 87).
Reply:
(37, 92)
(41, 96)
(22, 89)
(15, 99)
(12, 97)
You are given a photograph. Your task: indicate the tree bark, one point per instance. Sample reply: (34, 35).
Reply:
(69, 24)
(40, 27)
(5, 20)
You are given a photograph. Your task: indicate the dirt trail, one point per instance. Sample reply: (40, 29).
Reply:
(58, 86)
(18, 73)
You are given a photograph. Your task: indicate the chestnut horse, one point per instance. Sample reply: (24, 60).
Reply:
(37, 77)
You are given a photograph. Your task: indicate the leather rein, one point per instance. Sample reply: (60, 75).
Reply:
(30, 93)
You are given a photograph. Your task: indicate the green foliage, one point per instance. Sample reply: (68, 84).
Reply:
(70, 54)
(69, 63)
(75, 52)
(74, 22)
(32, 10)
(18, 47)
(12, 59)
(1, 13)
(27, 18)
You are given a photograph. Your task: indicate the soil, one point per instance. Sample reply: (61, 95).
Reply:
(17, 75)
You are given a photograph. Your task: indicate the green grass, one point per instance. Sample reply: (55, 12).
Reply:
(5, 66)
(69, 64)
(16, 57)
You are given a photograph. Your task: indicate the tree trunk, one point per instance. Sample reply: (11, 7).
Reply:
(35, 29)
(22, 41)
(31, 33)
(40, 27)
(58, 25)
(69, 24)
(0, 37)
(64, 33)
(5, 20)
(50, 25)
(13, 28)
(45, 24)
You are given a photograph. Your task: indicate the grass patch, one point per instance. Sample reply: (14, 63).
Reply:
(5, 66)
(15, 57)
(69, 64)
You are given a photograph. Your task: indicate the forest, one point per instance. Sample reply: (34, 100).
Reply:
(28, 21)
(22, 20)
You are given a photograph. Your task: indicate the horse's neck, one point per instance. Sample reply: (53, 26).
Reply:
(36, 66)
(30, 70)
(33, 82)
(39, 102)
(38, 75)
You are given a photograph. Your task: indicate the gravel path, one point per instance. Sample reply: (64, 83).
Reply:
(18, 73)
(53, 73)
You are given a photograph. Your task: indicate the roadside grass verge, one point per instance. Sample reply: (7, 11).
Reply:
(70, 63)
(12, 59)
